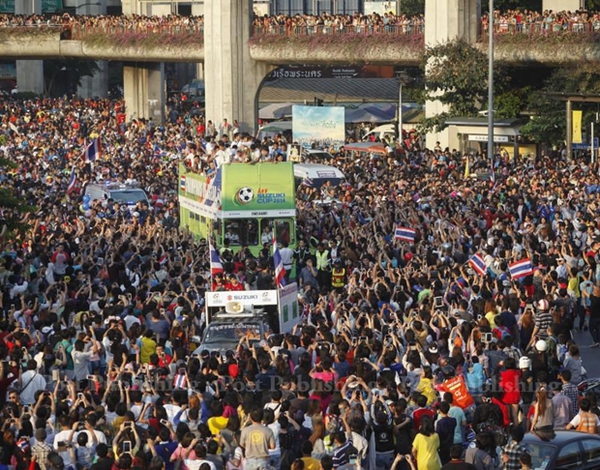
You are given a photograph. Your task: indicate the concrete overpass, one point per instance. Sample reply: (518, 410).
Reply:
(237, 62)
(48, 42)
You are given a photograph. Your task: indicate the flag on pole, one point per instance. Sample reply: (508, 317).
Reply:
(478, 264)
(520, 268)
(216, 267)
(279, 269)
(405, 234)
(72, 181)
(92, 151)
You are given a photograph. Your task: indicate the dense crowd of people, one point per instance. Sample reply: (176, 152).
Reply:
(511, 21)
(409, 353)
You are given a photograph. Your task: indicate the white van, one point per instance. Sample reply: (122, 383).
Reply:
(316, 175)
(386, 131)
(121, 193)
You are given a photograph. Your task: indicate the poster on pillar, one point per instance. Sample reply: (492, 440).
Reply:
(320, 125)
(577, 131)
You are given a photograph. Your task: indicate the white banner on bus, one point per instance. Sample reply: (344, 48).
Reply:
(248, 297)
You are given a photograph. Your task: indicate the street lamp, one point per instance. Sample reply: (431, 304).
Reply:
(402, 79)
(491, 84)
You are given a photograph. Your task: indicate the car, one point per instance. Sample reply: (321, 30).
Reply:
(224, 334)
(590, 385)
(563, 450)
(122, 193)
(316, 156)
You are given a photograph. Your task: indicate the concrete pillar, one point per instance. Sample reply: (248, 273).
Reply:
(200, 70)
(144, 90)
(30, 73)
(97, 85)
(446, 21)
(231, 77)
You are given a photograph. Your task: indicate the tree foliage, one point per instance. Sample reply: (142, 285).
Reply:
(64, 76)
(548, 124)
(412, 7)
(504, 5)
(457, 75)
(12, 208)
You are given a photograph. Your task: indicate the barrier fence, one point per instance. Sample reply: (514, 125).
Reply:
(75, 30)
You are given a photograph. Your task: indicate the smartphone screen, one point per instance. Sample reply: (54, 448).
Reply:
(127, 446)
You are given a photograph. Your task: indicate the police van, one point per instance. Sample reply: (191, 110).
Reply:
(128, 194)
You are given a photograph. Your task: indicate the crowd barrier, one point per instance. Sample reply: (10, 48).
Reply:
(76, 30)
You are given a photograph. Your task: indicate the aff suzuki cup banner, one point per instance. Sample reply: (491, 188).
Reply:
(324, 126)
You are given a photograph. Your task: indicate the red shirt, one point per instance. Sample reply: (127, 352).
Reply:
(418, 415)
(509, 381)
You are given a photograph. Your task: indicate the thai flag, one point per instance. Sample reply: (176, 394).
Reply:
(182, 183)
(521, 268)
(478, 264)
(163, 259)
(215, 262)
(279, 269)
(308, 183)
(405, 234)
(72, 181)
(92, 151)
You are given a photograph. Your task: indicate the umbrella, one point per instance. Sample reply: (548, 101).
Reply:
(372, 147)
(275, 111)
(277, 126)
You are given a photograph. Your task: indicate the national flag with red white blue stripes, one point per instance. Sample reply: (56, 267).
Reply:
(521, 268)
(405, 234)
(72, 181)
(182, 183)
(92, 151)
(478, 264)
(216, 267)
(278, 262)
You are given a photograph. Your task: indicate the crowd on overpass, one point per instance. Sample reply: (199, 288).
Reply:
(411, 345)
(511, 21)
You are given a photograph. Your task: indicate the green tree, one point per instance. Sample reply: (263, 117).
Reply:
(12, 207)
(64, 76)
(548, 124)
(412, 7)
(504, 5)
(457, 75)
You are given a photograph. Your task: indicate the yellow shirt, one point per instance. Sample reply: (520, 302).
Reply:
(216, 423)
(427, 451)
(147, 349)
(311, 463)
(490, 318)
(425, 387)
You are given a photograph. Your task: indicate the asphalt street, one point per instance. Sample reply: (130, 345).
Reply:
(590, 356)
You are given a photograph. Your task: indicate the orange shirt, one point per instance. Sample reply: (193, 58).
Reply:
(456, 386)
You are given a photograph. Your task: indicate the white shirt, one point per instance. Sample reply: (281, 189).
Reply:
(32, 381)
(172, 411)
(99, 436)
(287, 256)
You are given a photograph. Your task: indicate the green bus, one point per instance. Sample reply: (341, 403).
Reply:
(243, 204)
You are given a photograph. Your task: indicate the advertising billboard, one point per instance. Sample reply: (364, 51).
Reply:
(322, 125)
(240, 191)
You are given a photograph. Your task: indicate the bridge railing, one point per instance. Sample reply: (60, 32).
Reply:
(79, 31)
(541, 27)
(284, 30)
